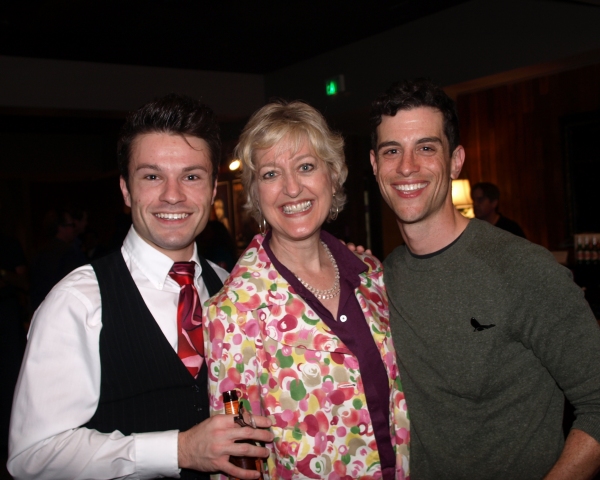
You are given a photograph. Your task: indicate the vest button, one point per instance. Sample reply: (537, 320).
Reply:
(196, 388)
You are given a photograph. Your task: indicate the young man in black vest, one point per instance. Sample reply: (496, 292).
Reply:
(490, 331)
(102, 391)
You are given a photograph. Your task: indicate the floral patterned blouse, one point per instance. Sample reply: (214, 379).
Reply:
(268, 343)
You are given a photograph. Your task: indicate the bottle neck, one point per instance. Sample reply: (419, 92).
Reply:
(231, 402)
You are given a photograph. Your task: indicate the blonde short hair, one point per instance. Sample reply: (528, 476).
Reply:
(297, 122)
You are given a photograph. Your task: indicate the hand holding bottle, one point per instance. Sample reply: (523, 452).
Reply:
(208, 446)
(233, 407)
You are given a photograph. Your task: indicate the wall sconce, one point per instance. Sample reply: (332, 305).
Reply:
(461, 197)
(235, 164)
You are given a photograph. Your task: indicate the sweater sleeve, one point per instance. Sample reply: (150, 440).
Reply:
(560, 328)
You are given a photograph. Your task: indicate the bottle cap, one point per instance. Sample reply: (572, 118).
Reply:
(230, 396)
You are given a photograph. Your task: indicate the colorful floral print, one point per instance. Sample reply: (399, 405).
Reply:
(266, 341)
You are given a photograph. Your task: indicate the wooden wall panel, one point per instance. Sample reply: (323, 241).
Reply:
(512, 137)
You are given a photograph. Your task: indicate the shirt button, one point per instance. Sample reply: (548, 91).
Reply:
(343, 318)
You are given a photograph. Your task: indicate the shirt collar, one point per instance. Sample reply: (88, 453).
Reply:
(349, 265)
(153, 264)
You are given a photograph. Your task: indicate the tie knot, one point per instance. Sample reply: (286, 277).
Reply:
(183, 272)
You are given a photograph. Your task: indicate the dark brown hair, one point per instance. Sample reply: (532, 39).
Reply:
(175, 115)
(409, 94)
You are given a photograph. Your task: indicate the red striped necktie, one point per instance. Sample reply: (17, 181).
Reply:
(190, 342)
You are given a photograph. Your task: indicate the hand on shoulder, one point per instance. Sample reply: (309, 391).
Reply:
(357, 248)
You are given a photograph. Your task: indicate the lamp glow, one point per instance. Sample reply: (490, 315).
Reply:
(234, 165)
(461, 197)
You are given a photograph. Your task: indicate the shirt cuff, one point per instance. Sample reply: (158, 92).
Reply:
(156, 454)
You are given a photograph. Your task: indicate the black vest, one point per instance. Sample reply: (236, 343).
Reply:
(144, 385)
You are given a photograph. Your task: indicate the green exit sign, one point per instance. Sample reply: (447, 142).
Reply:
(334, 85)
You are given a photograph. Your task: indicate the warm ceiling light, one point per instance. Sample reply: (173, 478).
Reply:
(235, 164)
(461, 197)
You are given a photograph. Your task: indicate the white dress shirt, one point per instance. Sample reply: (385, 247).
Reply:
(59, 385)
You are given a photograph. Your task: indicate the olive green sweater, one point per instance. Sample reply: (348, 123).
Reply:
(487, 403)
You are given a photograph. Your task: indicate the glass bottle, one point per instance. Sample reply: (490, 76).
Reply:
(587, 251)
(594, 253)
(232, 407)
(579, 251)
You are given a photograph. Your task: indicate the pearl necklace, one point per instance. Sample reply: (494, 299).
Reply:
(333, 291)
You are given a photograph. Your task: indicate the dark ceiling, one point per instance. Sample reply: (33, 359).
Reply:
(233, 36)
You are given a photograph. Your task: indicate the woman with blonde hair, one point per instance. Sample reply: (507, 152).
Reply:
(301, 328)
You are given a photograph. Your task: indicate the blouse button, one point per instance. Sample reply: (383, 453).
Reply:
(343, 318)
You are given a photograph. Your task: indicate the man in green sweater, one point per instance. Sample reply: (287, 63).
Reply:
(491, 332)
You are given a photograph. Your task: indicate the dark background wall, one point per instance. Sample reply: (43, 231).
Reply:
(472, 40)
(516, 67)
(87, 88)
(513, 137)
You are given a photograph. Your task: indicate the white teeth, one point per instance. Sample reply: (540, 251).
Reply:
(297, 207)
(410, 187)
(172, 216)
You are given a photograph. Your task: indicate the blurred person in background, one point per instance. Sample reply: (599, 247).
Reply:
(61, 254)
(486, 197)
(13, 286)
